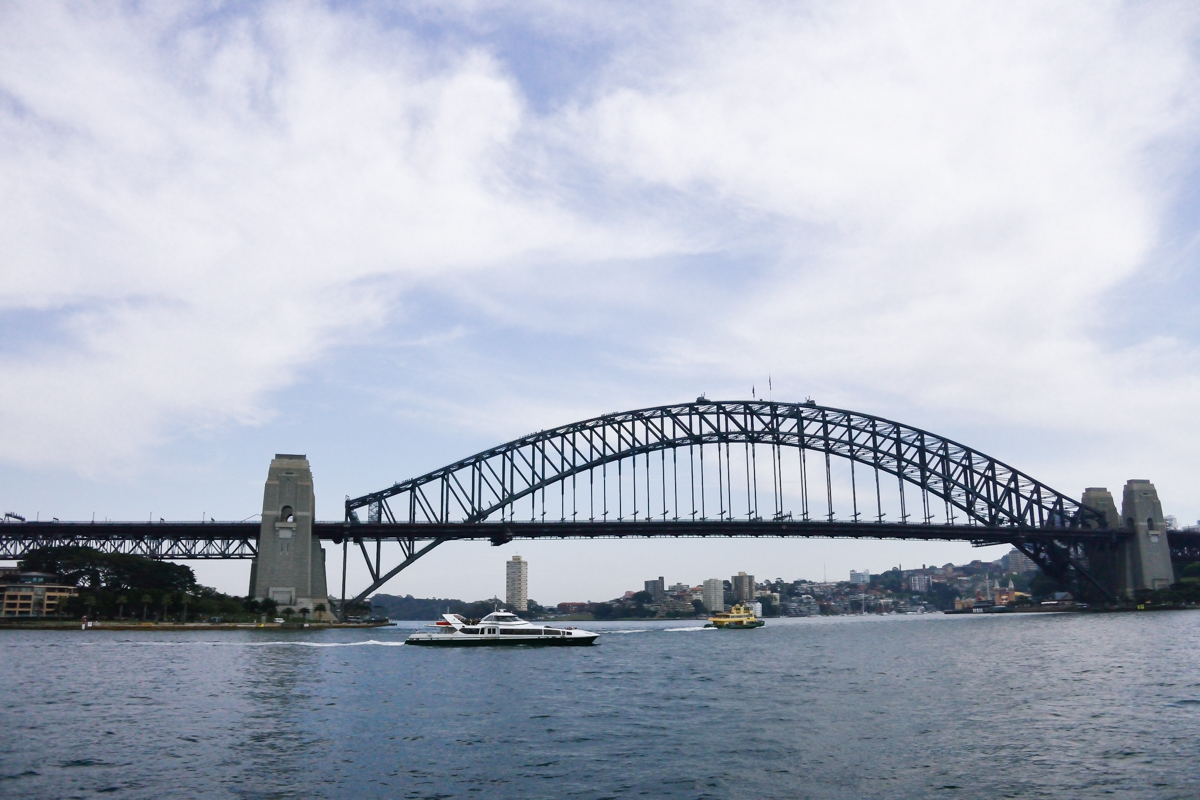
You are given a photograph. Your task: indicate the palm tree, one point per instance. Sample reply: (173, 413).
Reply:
(304, 613)
(185, 597)
(90, 602)
(121, 601)
(146, 601)
(320, 608)
(166, 601)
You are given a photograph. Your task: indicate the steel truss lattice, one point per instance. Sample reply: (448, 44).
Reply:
(169, 540)
(487, 486)
(578, 460)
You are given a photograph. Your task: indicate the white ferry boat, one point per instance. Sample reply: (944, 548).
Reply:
(498, 628)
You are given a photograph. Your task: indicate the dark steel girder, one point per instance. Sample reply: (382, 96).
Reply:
(502, 532)
(183, 541)
(175, 541)
(984, 489)
(994, 499)
(1058, 551)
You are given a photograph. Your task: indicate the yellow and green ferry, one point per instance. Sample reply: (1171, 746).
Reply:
(737, 618)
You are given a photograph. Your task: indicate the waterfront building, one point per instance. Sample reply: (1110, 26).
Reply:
(572, 608)
(1004, 597)
(32, 594)
(743, 588)
(774, 597)
(676, 606)
(714, 595)
(920, 583)
(860, 578)
(656, 589)
(516, 584)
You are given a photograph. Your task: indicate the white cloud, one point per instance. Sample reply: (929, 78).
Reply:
(918, 201)
(224, 199)
(965, 186)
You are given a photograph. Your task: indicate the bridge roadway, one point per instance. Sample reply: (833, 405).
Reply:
(233, 540)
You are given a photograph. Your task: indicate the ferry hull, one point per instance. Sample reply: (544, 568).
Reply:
(463, 641)
(498, 629)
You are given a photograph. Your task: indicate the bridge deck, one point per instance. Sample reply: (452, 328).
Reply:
(233, 540)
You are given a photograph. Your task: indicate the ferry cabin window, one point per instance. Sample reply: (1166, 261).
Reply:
(470, 630)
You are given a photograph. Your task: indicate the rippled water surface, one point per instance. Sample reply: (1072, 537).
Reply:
(905, 707)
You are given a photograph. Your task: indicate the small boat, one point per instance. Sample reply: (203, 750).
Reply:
(496, 629)
(736, 618)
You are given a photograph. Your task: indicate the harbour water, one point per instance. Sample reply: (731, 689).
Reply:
(1002, 706)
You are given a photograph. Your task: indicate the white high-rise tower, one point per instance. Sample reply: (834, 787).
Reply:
(516, 584)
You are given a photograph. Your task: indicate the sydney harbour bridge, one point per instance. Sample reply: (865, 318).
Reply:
(701, 469)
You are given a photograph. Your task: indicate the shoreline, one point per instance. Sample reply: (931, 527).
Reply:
(77, 625)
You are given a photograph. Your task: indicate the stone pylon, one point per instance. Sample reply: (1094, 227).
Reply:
(290, 566)
(1108, 561)
(1142, 561)
(1149, 553)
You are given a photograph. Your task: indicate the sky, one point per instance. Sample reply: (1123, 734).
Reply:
(391, 235)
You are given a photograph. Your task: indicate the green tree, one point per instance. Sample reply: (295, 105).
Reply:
(146, 601)
(890, 581)
(121, 601)
(166, 604)
(604, 611)
(115, 572)
(699, 606)
(942, 595)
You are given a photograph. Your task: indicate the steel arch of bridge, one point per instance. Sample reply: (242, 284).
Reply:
(477, 496)
(487, 486)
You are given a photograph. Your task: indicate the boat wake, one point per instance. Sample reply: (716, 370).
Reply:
(374, 642)
(693, 628)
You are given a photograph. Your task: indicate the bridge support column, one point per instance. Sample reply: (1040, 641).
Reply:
(1108, 561)
(1147, 552)
(290, 567)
